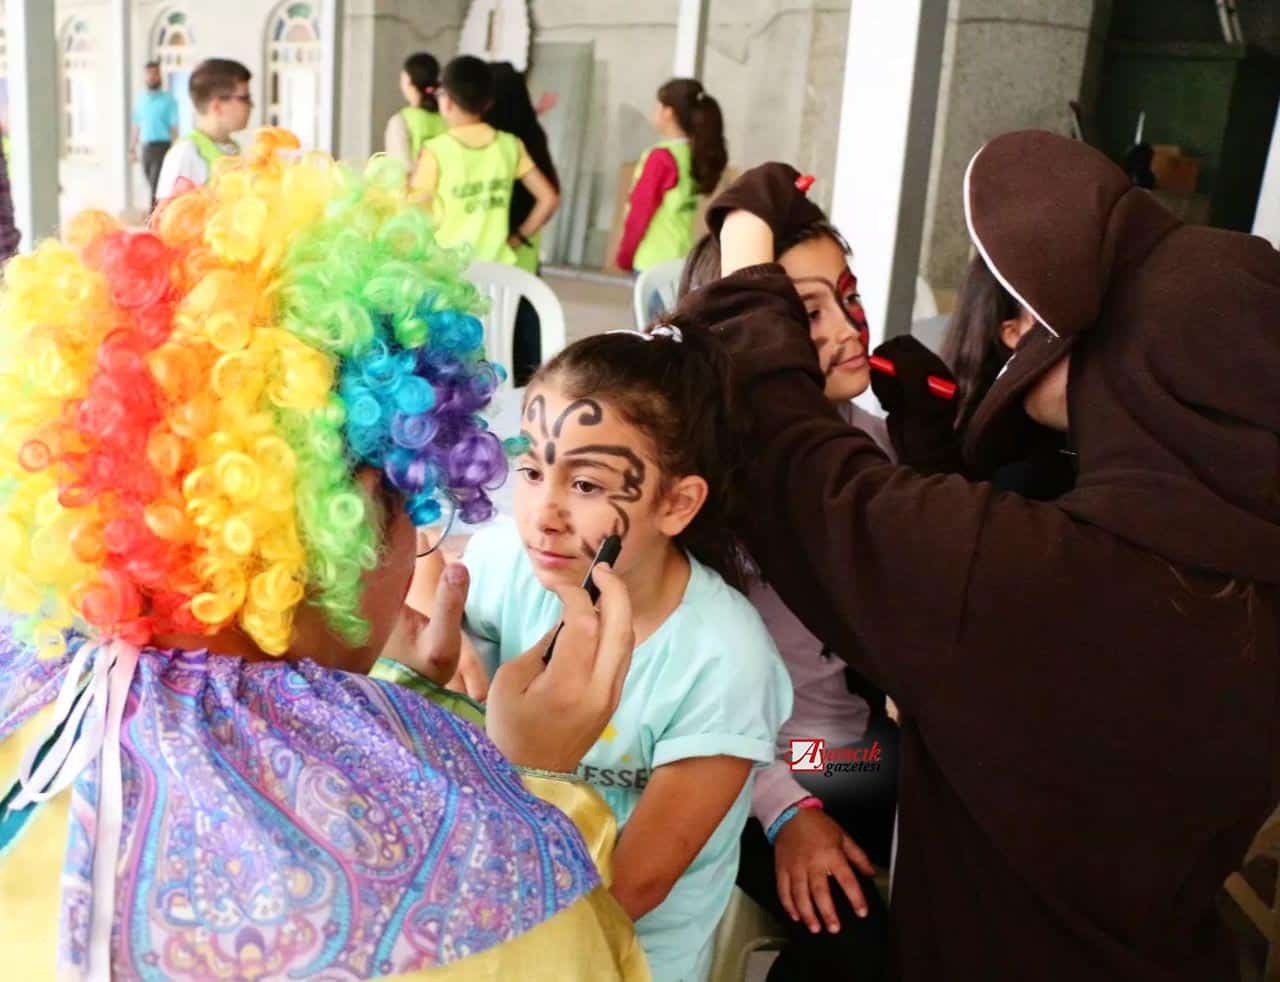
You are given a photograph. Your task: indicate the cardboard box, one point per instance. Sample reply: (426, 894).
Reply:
(1174, 170)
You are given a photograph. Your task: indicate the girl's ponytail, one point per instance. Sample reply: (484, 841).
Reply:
(424, 75)
(699, 116)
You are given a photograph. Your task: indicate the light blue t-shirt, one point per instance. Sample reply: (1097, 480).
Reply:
(156, 116)
(708, 682)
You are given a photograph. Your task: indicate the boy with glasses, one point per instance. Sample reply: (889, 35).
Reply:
(219, 91)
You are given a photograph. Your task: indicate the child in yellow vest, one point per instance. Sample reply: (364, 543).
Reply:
(409, 129)
(467, 173)
(686, 163)
(219, 91)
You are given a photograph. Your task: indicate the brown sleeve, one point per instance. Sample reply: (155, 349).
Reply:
(861, 549)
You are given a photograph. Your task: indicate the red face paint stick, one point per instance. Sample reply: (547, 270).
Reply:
(940, 387)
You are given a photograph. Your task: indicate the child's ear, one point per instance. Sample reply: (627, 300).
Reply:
(680, 505)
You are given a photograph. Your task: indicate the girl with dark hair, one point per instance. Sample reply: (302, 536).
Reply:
(630, 434)
(686, 163)
(420, 119)
(985, 329)
(842, 824)
(513, 112)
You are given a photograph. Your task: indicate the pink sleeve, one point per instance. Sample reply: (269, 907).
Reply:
(775, 789)
(658, 177)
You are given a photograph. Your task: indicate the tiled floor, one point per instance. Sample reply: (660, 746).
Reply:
(592, 303)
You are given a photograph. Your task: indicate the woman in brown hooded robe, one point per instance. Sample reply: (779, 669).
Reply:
(1091, 728)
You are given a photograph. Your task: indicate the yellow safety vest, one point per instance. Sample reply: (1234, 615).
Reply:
(472, 201)
(422, 125)
(670, 231)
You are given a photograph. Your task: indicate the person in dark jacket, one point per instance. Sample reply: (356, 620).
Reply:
(513, 112)
(1089, 686)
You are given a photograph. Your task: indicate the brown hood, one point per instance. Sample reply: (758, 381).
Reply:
(1174, 333)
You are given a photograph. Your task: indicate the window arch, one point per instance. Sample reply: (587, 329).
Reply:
(173, 44)
(79, 89)
(292, 76)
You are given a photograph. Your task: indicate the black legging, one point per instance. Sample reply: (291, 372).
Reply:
(863, 805)
(152, 160)
(526, 354)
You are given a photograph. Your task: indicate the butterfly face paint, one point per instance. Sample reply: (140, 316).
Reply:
(586, 475)
(837, 322)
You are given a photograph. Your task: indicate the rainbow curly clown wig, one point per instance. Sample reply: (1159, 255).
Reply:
(182, 410)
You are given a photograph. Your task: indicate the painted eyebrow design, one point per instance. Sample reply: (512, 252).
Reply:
(589, 462)
(596, 448)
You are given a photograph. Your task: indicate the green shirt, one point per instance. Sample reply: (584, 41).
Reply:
(472, 201)
(670, 231)
(422, 125)
(206, 146)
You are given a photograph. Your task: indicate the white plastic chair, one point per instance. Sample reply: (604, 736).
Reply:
(925, 305)
(503, 286)
(662, 280)
(744, 928)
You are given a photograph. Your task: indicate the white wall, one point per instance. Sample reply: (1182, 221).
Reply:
(222, 28)
(1007, 65)
(380, 34)
(93, 182)
(774, 66)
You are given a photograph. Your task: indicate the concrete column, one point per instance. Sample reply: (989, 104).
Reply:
(122, 29)
(34, 113)
(892, 64)
(331, 39)
(1007, 66)
(691, 38)
(1266, 220)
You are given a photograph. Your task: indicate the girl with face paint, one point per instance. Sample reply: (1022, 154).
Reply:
(831, 925)
(629, 435)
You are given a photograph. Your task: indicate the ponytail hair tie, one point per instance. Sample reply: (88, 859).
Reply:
(669, 331)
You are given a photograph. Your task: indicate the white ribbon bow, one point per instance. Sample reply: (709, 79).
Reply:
(86, 724)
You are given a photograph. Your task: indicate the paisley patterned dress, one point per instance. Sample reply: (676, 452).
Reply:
(283, 820)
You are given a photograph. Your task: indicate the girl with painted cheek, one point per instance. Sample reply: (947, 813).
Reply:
(808, 853)
(629, 434)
